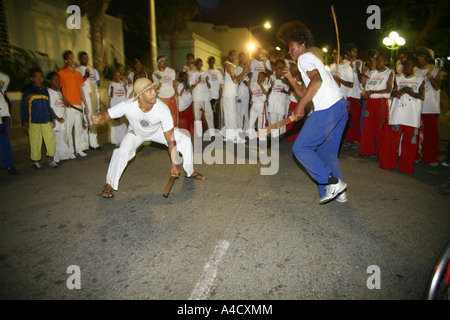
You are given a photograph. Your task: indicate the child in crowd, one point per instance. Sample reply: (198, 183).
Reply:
(293, 128)
(117, 93)
(404, 122)
(37, 118)
(185, 104)
(62, 149)
(258, 92)
(201, 95)
(279, 92)
(377, 90)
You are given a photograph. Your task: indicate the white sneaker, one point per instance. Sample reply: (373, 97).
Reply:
(53, 164)
(342, 197)
(332, 191)
(73, 156)
(81, 154)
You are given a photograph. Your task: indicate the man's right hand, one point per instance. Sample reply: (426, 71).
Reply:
(96, 119)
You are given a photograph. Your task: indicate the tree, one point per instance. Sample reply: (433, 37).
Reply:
(172, 18)
(95, 13)
(418, 20)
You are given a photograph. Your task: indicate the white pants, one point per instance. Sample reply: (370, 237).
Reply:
(131, 142)
(92, 132)
(230, 115)
(242, 113)
(74, 121)
(206, 107)
(118, 130)
(274, 117)
(62, 151)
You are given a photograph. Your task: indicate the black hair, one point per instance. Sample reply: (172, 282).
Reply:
(189, 55)
(210, 58)
(35, 70)
(350, 46)
(66, 54)
(413, 60)
(51, 75)
(81, 53)
(301, 35)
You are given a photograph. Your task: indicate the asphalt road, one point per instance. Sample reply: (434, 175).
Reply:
(237, 235)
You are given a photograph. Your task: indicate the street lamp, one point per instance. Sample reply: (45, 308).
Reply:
(267, 25)
(393, 42)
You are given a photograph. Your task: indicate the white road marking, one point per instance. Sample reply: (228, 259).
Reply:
(206, 281)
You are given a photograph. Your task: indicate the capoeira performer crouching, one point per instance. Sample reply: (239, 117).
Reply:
(318, 143)
(150, 120)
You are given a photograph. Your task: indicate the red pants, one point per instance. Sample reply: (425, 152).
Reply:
(354, 121)
(430, 145)
(389, 156)
(374, 126)
(187, 120)
(172, 104)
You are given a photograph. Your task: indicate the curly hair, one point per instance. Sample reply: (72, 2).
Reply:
(301, 35)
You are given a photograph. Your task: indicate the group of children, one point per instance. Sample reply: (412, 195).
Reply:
(393, 114)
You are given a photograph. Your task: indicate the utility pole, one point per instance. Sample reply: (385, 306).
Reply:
(153, 40)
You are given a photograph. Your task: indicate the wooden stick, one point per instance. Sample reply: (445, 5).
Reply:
(168, 186)
(280, 124)
(337, 36)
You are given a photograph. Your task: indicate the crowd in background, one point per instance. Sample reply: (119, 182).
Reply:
(393, 112)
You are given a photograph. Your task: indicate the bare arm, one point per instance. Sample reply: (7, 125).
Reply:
(311, 90)
(104, 116)
(169, 135)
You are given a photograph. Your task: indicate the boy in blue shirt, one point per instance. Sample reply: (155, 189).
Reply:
(38, 118)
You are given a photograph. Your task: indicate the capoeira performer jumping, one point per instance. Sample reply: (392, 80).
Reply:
(150, 120)
(318, 143)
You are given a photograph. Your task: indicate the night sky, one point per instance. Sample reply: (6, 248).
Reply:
(316, 14)
(351, 16)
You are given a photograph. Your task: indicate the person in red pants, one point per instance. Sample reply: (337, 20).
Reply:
(185, 104)
(404, 122)
(376, 114)
(431, 108)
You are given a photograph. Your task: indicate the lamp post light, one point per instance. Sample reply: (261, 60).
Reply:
(393, 42)
(251, 46)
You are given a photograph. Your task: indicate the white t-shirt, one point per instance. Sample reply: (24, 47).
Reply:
(118, 94)
(94, 76)
(185, 99)
(355, 92)
(345, 72)
(216, 80)
(57, 105)
(242, 88)
(144, 124)
(5, 78)
(258, 96)
(201, 91)
(432, 102)
(378, 81)
(167, 79)
(230, 89)
(131, 76)
(328, 93)
(4, 109)
(258, 66)
(278, 98)
(407, 110)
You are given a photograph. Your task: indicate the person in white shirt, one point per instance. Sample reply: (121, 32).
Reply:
(318, 143)
(342, 74)
(257, 65)
(150, 120)
(62, 150)
(258, 91)
(92, 82)
(353, 133)
(229, 98)
(201, 95)
(216, 80)
(243, 99)
(377, 91)
(185, 104)
(6, 157)
(166, 77)
(117, 91)
(278, 97)
(137, 69)
(431, 108)
(404, 121)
